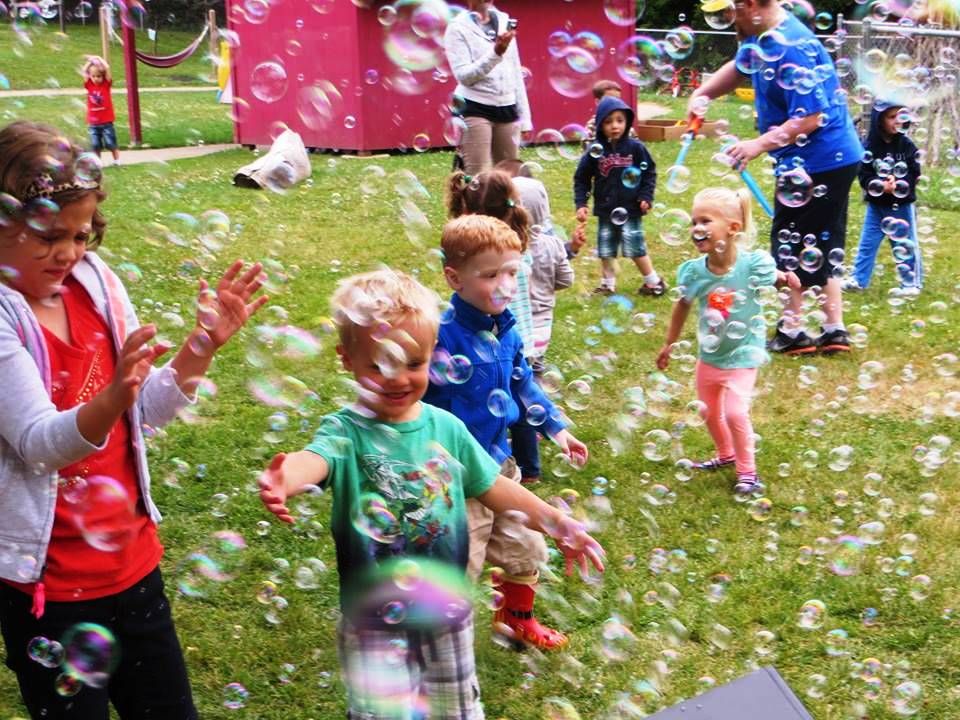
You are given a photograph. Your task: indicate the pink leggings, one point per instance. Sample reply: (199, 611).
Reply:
(727, 394)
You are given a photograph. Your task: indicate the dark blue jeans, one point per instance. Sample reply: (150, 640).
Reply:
(526, 451)
(150, 680)
(102, 136)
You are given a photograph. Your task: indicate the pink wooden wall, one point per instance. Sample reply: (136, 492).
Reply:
(344, 92)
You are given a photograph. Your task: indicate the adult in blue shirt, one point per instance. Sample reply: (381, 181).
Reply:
(806, 127)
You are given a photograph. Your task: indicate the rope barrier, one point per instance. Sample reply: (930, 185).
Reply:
(166, 61)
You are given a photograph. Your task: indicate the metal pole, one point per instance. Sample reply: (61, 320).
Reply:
(214, 47)
(104, 34)
(133, 88)
(63, 29)
(866, 38)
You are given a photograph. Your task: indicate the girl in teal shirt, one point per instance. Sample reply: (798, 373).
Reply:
(728, 282)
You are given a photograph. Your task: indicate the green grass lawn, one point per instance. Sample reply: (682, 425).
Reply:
(699, 580)
(168, 119)
(41, 57)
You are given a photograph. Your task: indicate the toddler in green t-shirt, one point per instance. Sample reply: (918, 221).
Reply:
(400, 472)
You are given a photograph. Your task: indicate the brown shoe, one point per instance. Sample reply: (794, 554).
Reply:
(653, 290)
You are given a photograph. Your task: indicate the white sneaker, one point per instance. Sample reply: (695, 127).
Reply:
(910, 290)
(851, 285)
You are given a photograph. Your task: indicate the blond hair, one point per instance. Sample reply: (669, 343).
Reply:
(733, 204)
(382, 297)
(469, 235)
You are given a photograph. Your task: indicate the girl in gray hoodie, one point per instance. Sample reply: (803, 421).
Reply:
(79, 552)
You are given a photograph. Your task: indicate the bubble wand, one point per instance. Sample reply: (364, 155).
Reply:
(755, 190)
(685, 144)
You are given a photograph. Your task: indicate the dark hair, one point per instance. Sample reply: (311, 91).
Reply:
(489, 193)
(29, 151)
(602, 87)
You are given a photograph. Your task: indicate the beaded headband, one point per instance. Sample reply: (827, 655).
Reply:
(43, 187)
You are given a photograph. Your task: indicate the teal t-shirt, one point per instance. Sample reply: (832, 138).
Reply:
(731, 332)
(399, 494)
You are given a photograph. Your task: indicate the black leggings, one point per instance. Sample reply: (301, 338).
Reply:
(150, 679)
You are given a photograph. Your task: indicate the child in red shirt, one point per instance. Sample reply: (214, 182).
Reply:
(100, 115)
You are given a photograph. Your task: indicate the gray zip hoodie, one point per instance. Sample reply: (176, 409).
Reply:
(482, 75)
(36, 439)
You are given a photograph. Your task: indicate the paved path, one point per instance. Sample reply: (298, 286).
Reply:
(135, 157)
(46, 92)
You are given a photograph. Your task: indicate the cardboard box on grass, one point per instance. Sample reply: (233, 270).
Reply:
(660, 130)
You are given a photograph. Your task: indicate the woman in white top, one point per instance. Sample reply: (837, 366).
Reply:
(484, 59)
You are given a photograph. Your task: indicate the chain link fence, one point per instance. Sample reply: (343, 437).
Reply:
(915, 66)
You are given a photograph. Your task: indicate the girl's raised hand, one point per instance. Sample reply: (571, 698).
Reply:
(133, 366)
(222, 312)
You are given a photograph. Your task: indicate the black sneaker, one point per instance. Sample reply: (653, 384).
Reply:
(833, 342)
(802, 344)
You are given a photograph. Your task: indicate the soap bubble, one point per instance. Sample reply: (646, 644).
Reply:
(499, 403)
(812, 615)
(67, 685)
(624, 13)
(268, 81)
(920, 587)
(106, 515)
(794, 188)
(847, 555)
(619, 216)
(639, 59)
(657, 445)
(374, 519)
(678, 179)
(906, 698)
(675, 227)
(48, 653)
(235, 696)
(90, 653)
(836, 643)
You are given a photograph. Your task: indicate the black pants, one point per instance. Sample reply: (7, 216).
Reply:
(150, 679)
(824, 216)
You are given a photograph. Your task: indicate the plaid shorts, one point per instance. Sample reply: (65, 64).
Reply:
(630, 235)
(410, 674)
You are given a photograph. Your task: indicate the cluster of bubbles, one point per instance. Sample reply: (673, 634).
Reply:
(86, 654)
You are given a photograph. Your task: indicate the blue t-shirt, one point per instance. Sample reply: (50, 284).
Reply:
(732, 330)
(793, 76)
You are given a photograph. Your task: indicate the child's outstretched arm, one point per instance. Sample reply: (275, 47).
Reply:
(680, 311)
(571, 537)
(289, 475)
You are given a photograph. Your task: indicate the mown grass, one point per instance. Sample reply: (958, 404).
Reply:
(168, 119)
(40, 57)
(346, 220)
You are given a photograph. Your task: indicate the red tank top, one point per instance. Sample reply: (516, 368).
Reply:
(103, 541)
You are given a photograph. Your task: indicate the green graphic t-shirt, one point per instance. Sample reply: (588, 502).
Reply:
(732, 330)
(399, 512)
